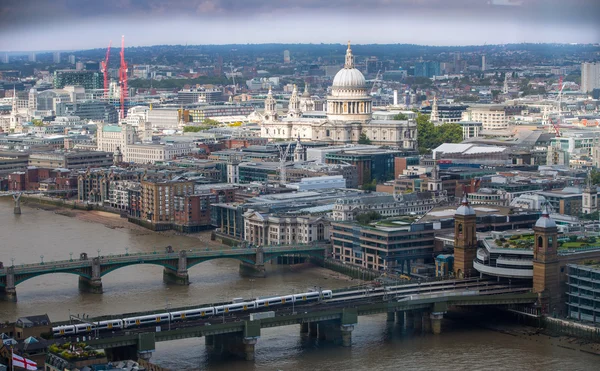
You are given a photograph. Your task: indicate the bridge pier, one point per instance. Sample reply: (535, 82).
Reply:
(436, 322)
(391, 316)
(313, 329)
(346, 335)
(179, 277)
(304, 328)
(400, 318)
(9, 292)
(17, 199)
(410, 319)
(232, 344)
(92, 285)
(257, 269)
(426, 322)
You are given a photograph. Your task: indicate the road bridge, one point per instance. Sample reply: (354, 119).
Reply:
(175, 264)
(420, 308)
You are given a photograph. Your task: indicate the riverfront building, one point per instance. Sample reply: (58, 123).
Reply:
(384, 246)
(583, 292)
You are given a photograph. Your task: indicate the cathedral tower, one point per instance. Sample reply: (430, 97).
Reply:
(270, 107)
(294, 105)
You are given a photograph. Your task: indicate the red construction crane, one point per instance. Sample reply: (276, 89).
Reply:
(104, 65)
(556, 126)
(123, 77)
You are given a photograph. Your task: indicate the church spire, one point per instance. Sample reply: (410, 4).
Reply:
(435, 116)
(349, 57)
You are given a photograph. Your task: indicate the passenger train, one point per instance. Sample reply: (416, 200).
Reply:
(153, 319)
(401, 292)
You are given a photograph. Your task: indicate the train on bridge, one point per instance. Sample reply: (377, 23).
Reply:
(413, 291)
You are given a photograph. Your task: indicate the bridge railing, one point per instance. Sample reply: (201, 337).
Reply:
(73, 263)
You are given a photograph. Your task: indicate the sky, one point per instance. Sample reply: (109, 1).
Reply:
(29, 25)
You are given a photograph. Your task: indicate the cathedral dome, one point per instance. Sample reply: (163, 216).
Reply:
(349, 78)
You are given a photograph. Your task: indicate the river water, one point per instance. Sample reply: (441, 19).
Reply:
(377, 345)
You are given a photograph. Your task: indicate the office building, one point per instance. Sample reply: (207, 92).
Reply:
(56, 57)
(382, 247)
(88, 79)
(492, 117)
(71, 160)
(89, 110)
(187, 96)
(286, 56)
(71, 59)
(583, 292)
(590, 76)
(427, 69)
(32, 57)
(158, 198)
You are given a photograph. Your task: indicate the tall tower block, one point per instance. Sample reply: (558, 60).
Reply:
(545, 262)
(465, 239)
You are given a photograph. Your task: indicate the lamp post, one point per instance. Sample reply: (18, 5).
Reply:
(98, 253)
(127, 251)
(42, 258)
(70, 256)
(12, 260)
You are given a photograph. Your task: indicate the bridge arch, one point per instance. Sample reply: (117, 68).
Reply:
(20, 278)
(195, 261)
(118, 265)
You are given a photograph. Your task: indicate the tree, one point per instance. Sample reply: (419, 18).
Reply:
(368, 217)
(369, 186)
(364, 139)
(400, 116)
(449, 133)
(37, 122)
(430, 136)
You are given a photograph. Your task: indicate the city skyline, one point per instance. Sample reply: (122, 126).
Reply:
(34, 25)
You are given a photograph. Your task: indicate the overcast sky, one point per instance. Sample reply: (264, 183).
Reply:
(86, 24)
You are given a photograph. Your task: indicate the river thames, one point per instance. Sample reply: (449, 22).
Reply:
(376, 345)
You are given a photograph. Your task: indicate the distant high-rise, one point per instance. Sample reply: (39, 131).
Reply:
(87, 79)
(427, 69)
(31, 57)
(71, 59)
(286, 56)
(590, 76)
(79, 66)
(56, 57)
(5, 58)
(483, 66)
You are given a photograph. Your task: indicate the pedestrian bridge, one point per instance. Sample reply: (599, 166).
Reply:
(176, 264)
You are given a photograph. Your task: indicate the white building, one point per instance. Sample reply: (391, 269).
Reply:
(164, 118)
(349, 114)
(320, 182)
(590, 76)
(132, 142)
(346, 209)
(267, 229)
(492, 117)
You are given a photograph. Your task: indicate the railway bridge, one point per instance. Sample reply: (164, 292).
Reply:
(176, 264)
(328, 320)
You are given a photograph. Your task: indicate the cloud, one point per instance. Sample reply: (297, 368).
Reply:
(154, 21)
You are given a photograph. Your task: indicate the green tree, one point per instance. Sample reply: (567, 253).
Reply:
(368, 217)
(426, 135)
(369, 186)
(449, 133)
(364, 139)
(400, 116)
(430, 136)
(37, 122)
